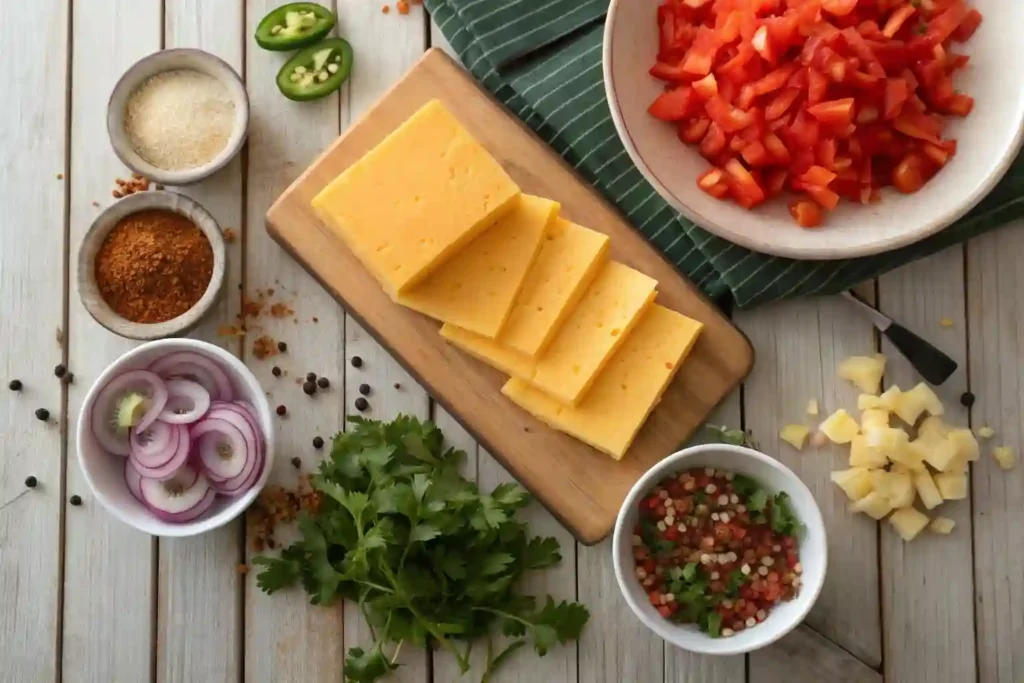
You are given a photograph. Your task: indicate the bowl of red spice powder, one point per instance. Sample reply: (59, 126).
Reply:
(151, 265)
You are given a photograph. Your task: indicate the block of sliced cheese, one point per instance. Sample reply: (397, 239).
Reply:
(417, 198)
(623, 395)
(593, 331)
(476, 288)
(490, 351)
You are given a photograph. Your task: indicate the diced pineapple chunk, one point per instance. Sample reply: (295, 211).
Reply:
(965, 444)
(951, 486)
(1006, 458)
(839, 427)
(986, 432)
(863, 455)
(933, 426)
(855, 482)
(795, 435)
(939, 453)
(942, 525)
(888, 440)
(908, 522)
(919, 400)
(926, 490)
(874, 417)
(812, 407)
(880, 482)
(908, 457)
(864, 371)
(901, 489)
(890, 397)
(870, 402)
(874, 505)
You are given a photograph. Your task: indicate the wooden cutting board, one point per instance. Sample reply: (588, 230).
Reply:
(581, 486)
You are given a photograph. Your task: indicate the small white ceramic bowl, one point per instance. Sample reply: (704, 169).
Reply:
(775, 477)
(104, 473)
(989, 139)
(169, 60)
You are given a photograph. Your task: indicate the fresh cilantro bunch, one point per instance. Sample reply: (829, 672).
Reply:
(430, 560)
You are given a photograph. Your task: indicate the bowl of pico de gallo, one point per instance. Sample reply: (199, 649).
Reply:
(817, 129)
(720, 549)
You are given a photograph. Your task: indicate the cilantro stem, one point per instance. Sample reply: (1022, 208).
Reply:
(506, 615)
(375, 586)
(394, 655)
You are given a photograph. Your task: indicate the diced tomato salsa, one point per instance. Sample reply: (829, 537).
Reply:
(714, 549)
(770, 90)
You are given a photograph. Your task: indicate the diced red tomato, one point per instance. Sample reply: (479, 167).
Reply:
(701, 56)
(744, 188)
(839, 8)
(714, 141)
(706, 87)
(837, 113)
(897, 91)
(806, 214)
(909, 175)
(755, 154)
(776, 148)
(817, 84)
(694, 131)
(897, 19)
(817, 176)
(782, 102)
(968, 26)
(960, 105)
(730, 118)
(942, 26)
(674, 105)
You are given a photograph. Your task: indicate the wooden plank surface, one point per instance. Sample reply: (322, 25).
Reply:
(198, 581)
(109, 567)
(286, 638)
(799, 345)
(33, 164)
(927, 598)
(581, 486)
(805, 656)
(995, 320)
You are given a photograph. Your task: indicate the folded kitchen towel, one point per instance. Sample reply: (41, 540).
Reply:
(542, 59)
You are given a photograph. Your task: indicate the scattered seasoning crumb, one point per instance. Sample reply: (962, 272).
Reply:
(75, 500)
(264, 347)
(364, 389)
(967, 399)
(231, 331)
(137, 183)
(251, 308)
(397, 385)
(230, 235)
(60, 336)
(282, 347)
(60, 176)
(296, 462)
(274, 506)
(403, 6)
(281, 410)
(1005, 456)
(362, 404)
(986, 432)
(316, 319)
(310, 376)
(96, 203)
(14, 385)
(275, 371)
(318, 443)
(42, 414)
(357, 362)
(323, 382)
(946, 322)
(385, 9)
(309, 387)
(242, 569)
(280, 310)
(31, 482)
(819, 439)
(270, 291)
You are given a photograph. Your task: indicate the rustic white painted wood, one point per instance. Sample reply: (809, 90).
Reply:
(681, 665)
(198, 582)
(799, 344)
(286, 638)
(927, 598)
(385, 46)
(110, 569)
(996, 342)
(32, 183)
(804, 655)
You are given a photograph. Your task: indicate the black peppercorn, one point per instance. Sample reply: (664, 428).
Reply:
(362, 404)
(68, 378)
(75, 499)
(42, 414)
(296, 462)
(309, 387)
(31, 482)
(60, 370)
(967, 399)
(323, 382)
(14, 385)
(275, 371)
(318, 443)
(281, 410)
(397, 385)
(282, 347)
(357, 362)
(364, 389)
(310, 376)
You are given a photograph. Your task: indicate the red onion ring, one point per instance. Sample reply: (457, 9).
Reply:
(180, 499)
(176, 459)
(154, 446)
(190, 394)
(105, 405)
(198, 367)
(212, 437)
(134, 480)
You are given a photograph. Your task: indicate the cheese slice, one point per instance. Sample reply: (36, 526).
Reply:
(477, 287)
(593, 331)
(623, 395)
(417, 198)
(490, 351)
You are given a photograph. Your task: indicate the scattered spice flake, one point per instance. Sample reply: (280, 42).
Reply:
(276, 505)
(270, 292)
(281, 310)
(250, 308)
(242, 569)
(946, 322)
(403, 6)
(264, 347)
(230, 235)
(231, 331)
(137, 183)
(60, 336)
(385, 9)
(60, 176)
(96, 204)
(316, 319)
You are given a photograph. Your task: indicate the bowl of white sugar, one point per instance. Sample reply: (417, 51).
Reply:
(178, 116)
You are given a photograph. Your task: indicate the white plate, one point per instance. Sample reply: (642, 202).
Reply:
(989, 139)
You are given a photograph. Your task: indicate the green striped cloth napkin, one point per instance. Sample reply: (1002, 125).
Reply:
(542, 59)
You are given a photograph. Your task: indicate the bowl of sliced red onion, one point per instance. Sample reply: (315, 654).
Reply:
(175, 437)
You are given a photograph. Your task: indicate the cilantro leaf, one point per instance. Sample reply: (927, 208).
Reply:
(713, 625)
(689, 571)
(494, 564)
(423, 532)
(783, 520)
(366, 667)
(541, 552)
(420, 484)
(510, 495)
(757, 500)
(279, 573)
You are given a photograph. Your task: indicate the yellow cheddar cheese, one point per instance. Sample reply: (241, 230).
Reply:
(477, 287)
(490, 351)
(593, 331)
(623, 395)
(417, 198)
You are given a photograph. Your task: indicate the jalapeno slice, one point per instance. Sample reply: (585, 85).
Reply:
(316, 71)
(294, 25)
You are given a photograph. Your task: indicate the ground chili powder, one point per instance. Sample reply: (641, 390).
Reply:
(153, 266)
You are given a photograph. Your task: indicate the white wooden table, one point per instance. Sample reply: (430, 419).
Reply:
(85, 598)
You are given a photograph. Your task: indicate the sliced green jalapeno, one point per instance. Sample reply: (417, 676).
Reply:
(316, 71)
(294, 25)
